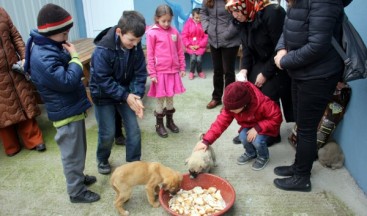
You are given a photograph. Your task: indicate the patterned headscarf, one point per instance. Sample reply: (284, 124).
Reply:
(248, 8)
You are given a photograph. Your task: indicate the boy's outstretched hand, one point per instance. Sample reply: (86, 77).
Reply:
(200, 146)
(136, 104)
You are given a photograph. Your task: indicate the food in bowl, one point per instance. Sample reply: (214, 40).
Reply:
(205, 181)
(197, 201)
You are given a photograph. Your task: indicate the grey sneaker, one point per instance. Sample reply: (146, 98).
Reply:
(260, 163)
(244, 158)
(104, 168)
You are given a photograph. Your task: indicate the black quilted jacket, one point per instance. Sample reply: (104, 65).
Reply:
(308, 29)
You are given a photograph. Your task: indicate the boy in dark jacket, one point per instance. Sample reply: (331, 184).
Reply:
(258, 116)
(118, 76)
(57, 71)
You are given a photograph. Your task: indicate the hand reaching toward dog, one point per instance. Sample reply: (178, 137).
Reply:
(200, 146)
(136, 104)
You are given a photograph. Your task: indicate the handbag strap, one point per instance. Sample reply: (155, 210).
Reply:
(338, 48)
(341, 52)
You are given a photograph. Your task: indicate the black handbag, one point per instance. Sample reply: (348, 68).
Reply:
(353, 51)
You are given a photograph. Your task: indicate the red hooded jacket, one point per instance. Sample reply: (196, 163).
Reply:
(262, 113)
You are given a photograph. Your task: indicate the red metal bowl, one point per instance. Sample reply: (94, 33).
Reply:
(205, 181)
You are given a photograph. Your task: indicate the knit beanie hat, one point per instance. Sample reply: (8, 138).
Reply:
(237, 95)
(53, 19)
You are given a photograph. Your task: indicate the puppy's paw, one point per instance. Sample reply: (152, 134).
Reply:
(156, 204)
(126, 213)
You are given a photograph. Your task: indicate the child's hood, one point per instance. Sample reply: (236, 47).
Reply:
(106, 38)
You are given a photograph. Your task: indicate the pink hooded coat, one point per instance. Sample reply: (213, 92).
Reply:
(193, 34)
(164, 51)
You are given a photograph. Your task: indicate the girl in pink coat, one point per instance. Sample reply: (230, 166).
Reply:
(166, 66)
(195, 41)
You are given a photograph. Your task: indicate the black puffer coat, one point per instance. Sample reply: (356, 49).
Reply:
(308, 29)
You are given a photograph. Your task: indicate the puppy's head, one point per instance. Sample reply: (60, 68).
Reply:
(196, 164)
(172, 183)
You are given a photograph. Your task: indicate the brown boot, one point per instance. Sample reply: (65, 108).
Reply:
(159, 127)
(169, 123)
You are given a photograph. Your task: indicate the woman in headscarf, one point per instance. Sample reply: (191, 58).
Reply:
(262, 24)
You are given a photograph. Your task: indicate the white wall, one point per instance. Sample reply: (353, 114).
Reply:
(102, 14)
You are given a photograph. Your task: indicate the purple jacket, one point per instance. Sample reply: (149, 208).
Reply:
(193, 34)
(164, 51)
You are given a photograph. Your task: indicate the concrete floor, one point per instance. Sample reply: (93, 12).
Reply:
(32, 183)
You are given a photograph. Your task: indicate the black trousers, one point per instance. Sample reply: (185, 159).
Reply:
(310, 98)
(224, 61)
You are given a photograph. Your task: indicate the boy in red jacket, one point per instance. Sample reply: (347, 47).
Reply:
(258, 116)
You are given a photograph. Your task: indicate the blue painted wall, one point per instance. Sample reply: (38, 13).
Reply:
(81, 18)
(351, 132)
(181, 10)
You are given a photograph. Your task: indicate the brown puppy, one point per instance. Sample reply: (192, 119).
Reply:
(151, 174)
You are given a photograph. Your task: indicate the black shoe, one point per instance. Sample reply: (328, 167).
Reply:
(85, 197)
(294, 183)
(104, 168)
(284, 170)
(41, 147)
(120, 140)
(88, 180)
(236, 140)
(273, 140)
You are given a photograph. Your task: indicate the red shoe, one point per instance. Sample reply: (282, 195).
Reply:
(191, 75)
(202, 75)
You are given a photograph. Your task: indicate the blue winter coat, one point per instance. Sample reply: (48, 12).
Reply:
(58, 82)
(112, 77)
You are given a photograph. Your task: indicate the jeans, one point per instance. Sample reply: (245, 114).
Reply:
(105, 115)
(195, 62)
(258, 147)
(224, 60)
(310, 98)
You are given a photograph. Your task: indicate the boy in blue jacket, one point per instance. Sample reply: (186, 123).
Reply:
(56, 71)
(117, 83)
